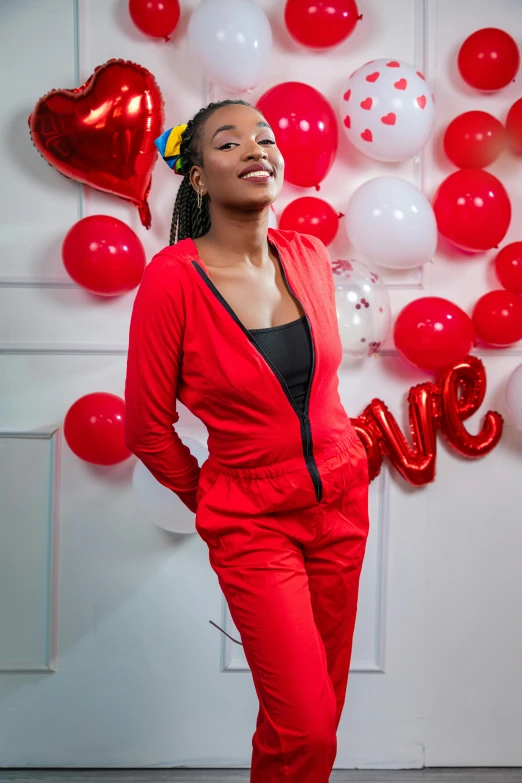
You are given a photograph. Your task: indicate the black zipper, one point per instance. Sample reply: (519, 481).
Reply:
(306, 430)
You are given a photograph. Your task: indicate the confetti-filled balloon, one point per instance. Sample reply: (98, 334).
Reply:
(363, 308)
(387, 110)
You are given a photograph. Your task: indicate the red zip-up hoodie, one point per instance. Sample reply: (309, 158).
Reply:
(186, 343)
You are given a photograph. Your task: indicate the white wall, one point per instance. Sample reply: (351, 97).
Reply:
(125, 669)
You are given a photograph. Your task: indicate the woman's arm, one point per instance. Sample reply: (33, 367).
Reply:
(155, 347)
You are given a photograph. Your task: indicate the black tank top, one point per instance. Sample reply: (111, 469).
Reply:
(289, 348)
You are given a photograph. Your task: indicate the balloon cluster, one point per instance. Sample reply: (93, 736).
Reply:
(387, 112)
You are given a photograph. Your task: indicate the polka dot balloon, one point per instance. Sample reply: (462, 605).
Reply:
(387, 110)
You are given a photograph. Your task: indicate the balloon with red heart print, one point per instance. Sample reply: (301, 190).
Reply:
(387, 110)
(102, 133)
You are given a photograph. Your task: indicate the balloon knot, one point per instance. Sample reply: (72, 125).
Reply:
(360, 17)
(340, 215)
(318, 187)
(167, 38)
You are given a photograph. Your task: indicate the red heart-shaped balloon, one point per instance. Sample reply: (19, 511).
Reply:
(102, 133)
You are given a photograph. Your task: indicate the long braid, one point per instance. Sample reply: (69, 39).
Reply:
(188, 220)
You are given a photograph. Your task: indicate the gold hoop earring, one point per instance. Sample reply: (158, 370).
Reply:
(200, 199)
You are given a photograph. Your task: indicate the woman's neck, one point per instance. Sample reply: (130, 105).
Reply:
(237, 239)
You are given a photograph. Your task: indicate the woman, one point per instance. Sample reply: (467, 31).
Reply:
(238, 321)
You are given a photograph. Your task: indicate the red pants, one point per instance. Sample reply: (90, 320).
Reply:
(289, 568)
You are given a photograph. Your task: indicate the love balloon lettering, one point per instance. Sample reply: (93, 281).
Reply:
(458, 393)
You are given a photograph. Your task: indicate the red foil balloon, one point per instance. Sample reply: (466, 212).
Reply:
(370, 436)
(457, 394)
(102, 133)
(432, 332)
(93, 429)
(306, 131)
(311, 215)
(514, 126)
(417, 464)
(489, 59)
(474, 140)
(321, 23)
(497, 317)
(473, 210)
(103, 255)
(467, 378)
(508, 266)
(157, 18)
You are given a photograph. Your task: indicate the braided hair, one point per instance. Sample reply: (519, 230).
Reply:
(188, 220)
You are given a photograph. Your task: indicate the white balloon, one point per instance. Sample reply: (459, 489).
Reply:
(160, 505)
(391, 223)
(232, 42)
(387, 110)
(513, 397)
(363, 308)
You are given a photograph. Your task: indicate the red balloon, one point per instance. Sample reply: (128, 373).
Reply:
(474, 140)
(497, 318)
(157, 18)
(305, 128)
(473, 210)
(103, 255)
(514, 126)
(321, 23)
(433, 333)
(311, 215)
(102, 133)
(93, 429)
(508, 266)
(488, 59)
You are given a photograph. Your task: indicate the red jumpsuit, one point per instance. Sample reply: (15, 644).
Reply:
(281, 501)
